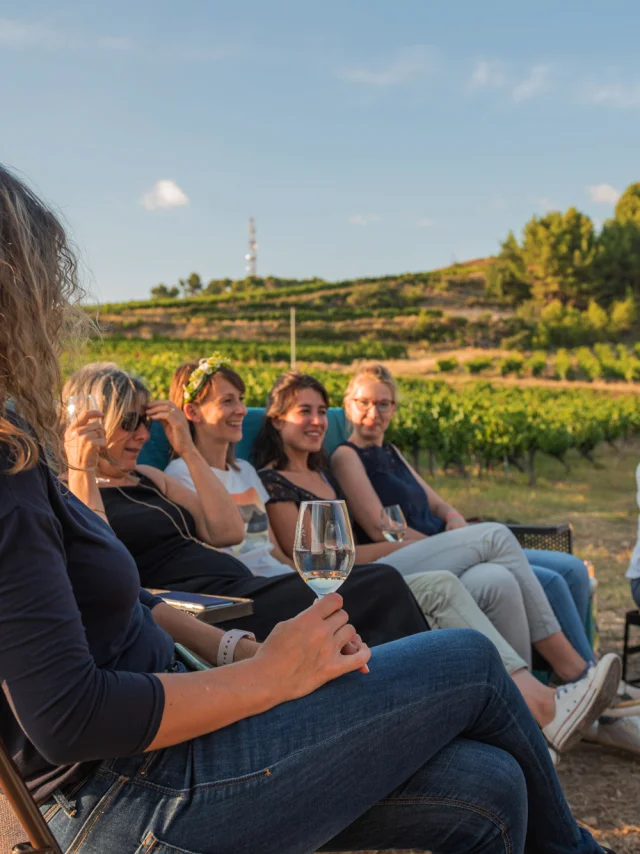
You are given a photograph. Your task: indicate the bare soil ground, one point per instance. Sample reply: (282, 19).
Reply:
(601, 785)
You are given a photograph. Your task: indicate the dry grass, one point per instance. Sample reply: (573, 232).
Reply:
(602, 786)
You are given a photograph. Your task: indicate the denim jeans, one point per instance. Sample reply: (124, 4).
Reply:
(564, 579)
(572, 569)
(635, 590)
(434, 749)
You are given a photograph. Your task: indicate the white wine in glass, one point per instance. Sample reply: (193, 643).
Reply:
(393, 524)
(78, 403)
(324, 551)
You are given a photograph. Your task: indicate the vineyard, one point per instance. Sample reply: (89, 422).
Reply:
(480, 424)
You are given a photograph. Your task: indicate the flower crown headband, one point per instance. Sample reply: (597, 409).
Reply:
(205, 369)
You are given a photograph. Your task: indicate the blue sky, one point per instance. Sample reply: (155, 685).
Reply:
(366, 137)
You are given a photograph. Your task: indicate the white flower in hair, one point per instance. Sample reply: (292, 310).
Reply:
(206, 367)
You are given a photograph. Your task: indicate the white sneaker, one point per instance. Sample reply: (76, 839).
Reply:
(579, 704)
(626, 703)
(623, 734)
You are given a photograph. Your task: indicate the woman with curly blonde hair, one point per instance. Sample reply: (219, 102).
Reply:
(286, 746)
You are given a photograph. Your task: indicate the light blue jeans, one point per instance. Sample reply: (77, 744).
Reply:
(565, 580)
(434, 749)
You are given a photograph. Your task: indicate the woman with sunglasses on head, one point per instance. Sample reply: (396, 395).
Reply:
(293, 468)
(179, 537)
(286, 749)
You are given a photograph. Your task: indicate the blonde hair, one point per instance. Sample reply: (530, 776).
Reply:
(115, 391)
(39, 315)
(180, 381)
(375, 371)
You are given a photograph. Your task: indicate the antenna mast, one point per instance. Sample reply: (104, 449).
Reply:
(252, 255)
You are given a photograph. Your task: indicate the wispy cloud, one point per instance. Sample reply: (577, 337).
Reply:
(603, 194)
(410, 64)
(536, 82)
(163, 195)
(21, 34)
(621, 95)
(426, 222)
(364, 219)
(544, 202)
(487, 73)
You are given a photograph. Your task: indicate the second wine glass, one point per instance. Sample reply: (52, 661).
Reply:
(324, 550)
(393, 523)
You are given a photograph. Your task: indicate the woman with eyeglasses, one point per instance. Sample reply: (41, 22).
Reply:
(293, 468)
(179, 537)
(373, 472)
(286, 748)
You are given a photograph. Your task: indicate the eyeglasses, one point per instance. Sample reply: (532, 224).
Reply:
(132, 420)
(383, 406)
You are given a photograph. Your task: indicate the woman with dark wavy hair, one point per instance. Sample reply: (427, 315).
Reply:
(286, 746)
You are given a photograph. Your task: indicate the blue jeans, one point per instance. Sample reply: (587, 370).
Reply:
(565, 581)
(434, 749)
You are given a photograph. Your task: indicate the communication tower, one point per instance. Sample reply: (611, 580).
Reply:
(252, 255)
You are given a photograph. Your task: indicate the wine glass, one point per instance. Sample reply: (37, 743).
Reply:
(324, 551)
(393, 523)
(78, 403)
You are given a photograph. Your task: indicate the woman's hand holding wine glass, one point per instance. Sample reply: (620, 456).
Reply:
(84, 436)
(307, 651)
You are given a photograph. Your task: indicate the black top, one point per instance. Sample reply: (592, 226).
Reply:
(395, 483)
(157, 534)
(280, 488)
(79, 643)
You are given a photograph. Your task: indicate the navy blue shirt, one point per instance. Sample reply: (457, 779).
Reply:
(395, 483)
(78, 642)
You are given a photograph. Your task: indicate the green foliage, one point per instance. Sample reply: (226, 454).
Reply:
(623, 315)
(563, 364)
(163, 292)
(588, 363)
(447, 365)
(558, 251)
(537, 363)
(507, 276)
(479, 364)
(628, 206)
(511, 365)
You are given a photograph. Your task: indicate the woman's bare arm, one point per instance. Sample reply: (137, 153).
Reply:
(363, 501)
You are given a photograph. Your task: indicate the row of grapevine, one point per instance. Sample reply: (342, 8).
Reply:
(479, 422)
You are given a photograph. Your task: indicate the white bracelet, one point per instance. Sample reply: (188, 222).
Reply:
(228, 644)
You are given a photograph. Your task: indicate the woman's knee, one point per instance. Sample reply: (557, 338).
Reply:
(492, 585)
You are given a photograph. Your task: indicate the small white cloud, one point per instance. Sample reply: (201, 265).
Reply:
(533, 84)
(603, 194)
(487, 73)
(364, 219)
(410, 64)
(426, 222)
(163, 195)
(623, 96)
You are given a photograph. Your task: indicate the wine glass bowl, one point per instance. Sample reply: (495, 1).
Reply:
(78, 403)
(323, 549)
(393, 523)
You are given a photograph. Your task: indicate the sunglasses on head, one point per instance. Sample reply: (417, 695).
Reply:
(132, 420)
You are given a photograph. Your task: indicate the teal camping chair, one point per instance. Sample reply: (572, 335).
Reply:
(157, 451)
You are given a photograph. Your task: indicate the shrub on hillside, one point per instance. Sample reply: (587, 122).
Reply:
(563, 365)
(479, 364)
(537, 363)
(447, 365)
(588, 364)
(511, 365)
